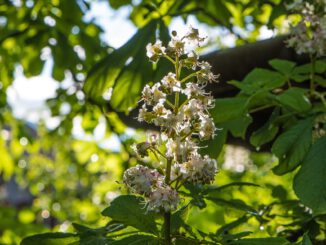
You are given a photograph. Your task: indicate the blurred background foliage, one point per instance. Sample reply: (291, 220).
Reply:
(51, 176)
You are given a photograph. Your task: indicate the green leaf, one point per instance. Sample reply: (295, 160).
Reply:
(136, 240)
(178, 218)
(233, 184)
(115, 4)
(96, 236)
(264, 79)
(283, 66)
(94, 240)
(309, 183)
(237, 204)
(320, 67)
(56, 238)
(186, 241)
(7, 164)
(261, 241)
(292, 145)
(106, 73)
(260, 98)
(215, 146)
(277, 11)
(238, 126)
(130, 82)
(130, 210)
(235, 236)
(305, 240)
(320, 81)
(226, 228)
(295, 99)
(266, 133)
(227, 109)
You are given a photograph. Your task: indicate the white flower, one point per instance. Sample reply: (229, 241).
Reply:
(201, 170)
(207, 128)
(193, 90)
(141, 148)
(147, 94)
(191, 61)
(176, 46)
(155, 51)
(161, 111)
(180, 150)
(163, 198)
(205, 74)
(158, 95)
(154, 138)
(193, 109)
(141, 179)
(183, 128)
(143, 114)
(171, 83)
(309, 35)
(193, 35)
(178, 171)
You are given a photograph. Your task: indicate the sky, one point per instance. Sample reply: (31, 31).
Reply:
(27, 96)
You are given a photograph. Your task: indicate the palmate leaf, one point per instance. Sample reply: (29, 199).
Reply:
(305, 240)
(210, 189)
(215, 145)
(267, 132)
(57, 238)
(309, 183)
(126, 69)
(292, 146)
(228, 109)
(260, 79)
(295, 99)
(283, 66)
(226, 228)
(238, 126)
(104, 74)
(178, 218)
(95, 236)
(234, 203)
(129, 210)
(261, 241)
(136, 240)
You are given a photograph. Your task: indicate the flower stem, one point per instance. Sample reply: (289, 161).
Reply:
(170, 59)
(177, 73)
(188, 77)
(167, 225)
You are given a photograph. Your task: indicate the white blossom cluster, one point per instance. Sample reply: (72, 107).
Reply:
(179, 106)
(309, 35)
(142, 180)
(150, 183)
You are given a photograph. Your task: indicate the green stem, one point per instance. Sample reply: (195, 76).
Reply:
(167, 225)
(170, 59)
(181, 183)
(176, 102)
(177, 73)
(261, 108)
(155, 149)
(289, 83)
(321, 96)
(188, 77)
(170, 104)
